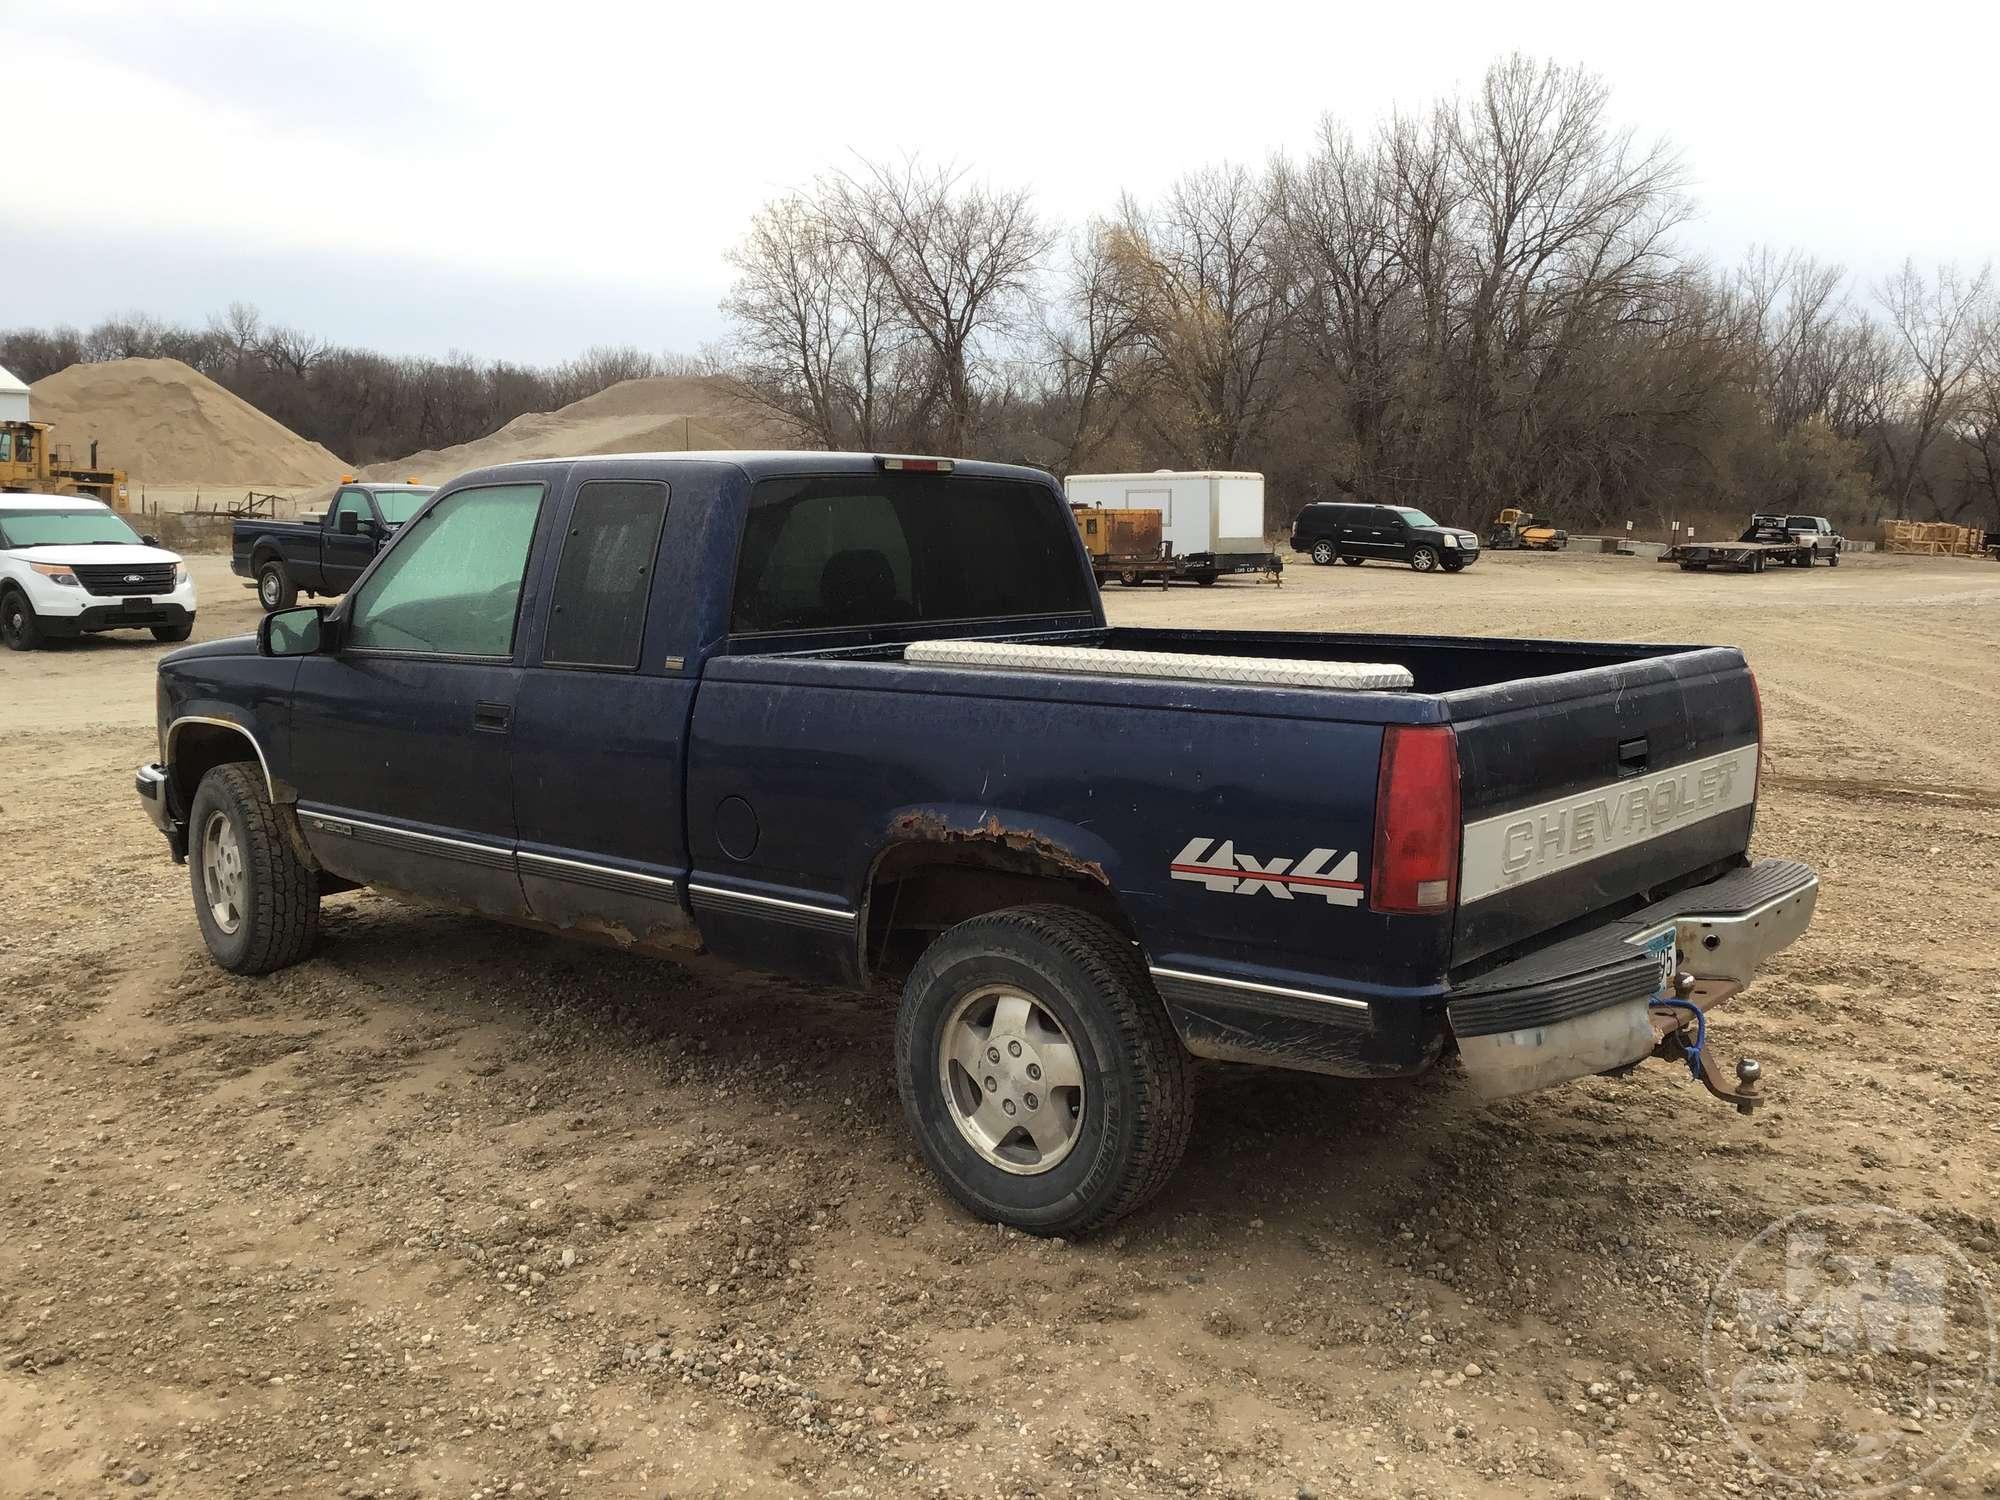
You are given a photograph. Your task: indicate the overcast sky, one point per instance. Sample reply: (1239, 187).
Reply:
(524, 181)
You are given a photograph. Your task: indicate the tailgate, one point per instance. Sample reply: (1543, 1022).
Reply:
(1587, 790)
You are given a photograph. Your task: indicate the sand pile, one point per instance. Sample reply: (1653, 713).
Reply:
(166, 424)
(669, 413)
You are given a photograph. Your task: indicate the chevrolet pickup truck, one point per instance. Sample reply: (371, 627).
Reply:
(326, 555)
(859, 718)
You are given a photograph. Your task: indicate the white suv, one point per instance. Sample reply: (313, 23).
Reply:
(70, 566)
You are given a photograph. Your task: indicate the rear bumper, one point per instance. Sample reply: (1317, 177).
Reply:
(1584, 1005)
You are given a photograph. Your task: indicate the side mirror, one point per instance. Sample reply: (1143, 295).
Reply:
(347, 523)
(147, 538)
(293, 632)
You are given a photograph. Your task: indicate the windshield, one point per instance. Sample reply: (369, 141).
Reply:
(1414, 517)
(62, 528)
(397, 506)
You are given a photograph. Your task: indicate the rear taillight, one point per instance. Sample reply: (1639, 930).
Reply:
(1757, 765)
(1416, 820)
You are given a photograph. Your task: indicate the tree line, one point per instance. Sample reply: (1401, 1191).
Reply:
(1482, 303)
(1485, 302)
(365, 407)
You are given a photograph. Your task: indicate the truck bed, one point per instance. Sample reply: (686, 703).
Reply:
(1593, 776)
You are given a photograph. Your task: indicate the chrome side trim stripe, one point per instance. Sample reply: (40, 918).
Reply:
(1182, 976)
(724, 893)
(606, 877)
(493, 856)
(722, 902)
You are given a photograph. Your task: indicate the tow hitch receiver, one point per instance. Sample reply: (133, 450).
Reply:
(1680, 1030)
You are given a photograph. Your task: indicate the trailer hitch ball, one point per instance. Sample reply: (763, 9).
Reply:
(1748, 1070)
(1683, 983)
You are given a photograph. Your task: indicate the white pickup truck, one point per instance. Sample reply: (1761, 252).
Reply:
(70, 567)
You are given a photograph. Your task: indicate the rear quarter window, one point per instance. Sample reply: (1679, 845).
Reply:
(604, 576)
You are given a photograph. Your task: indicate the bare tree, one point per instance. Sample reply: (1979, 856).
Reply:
(1089, 332)
(1207, 283)
(1942, 329)
(292, 350)
(954, 258)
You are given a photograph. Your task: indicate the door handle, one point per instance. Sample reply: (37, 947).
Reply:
(494, 717)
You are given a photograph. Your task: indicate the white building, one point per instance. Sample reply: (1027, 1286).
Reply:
(13, 399)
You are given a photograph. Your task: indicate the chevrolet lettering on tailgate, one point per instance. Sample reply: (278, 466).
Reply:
(1513, 848)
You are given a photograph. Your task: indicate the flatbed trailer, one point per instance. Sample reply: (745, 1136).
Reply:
(1741, 557)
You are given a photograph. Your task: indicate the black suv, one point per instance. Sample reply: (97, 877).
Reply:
(1393, 533)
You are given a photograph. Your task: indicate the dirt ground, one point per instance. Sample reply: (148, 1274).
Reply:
(457, 1210)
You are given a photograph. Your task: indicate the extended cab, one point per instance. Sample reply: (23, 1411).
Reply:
(323, 555)
(849, 717)
(70, 567)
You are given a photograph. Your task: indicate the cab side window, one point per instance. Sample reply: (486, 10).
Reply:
(354, 503)
(597, 615)
(451, 584)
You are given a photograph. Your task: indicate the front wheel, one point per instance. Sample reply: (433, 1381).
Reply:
(275, 589)
(178, 632)
(18, 625)
(1454, 565)
(1039, 1072)
(1833, 559)
(1424, 559)
(256, 900)
(1323, 552)
(1352, 561)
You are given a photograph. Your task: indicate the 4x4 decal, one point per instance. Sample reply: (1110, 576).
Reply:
(1323, 872)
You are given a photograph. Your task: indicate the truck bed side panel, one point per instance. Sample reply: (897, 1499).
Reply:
(1176, 812)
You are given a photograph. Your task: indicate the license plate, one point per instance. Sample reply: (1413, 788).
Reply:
(138, 603)
(1662, 948)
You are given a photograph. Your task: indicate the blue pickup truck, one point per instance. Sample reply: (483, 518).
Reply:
(326, 554)
(858, 718)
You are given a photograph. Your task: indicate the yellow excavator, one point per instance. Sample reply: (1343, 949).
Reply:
(1514, 528)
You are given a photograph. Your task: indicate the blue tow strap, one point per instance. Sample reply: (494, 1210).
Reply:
(1700, 1031)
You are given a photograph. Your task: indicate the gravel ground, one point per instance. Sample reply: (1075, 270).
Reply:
(453, 1209)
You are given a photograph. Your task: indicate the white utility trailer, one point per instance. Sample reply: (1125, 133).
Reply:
(1211, 520)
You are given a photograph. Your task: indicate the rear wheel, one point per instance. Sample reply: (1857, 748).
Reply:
(1756, 562)
(1039, 1072)
(1694, 567)
(1129, 578)
(1424, 559)
(1323, 552)
(256, 900)
(275, 589)
(18, 625)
